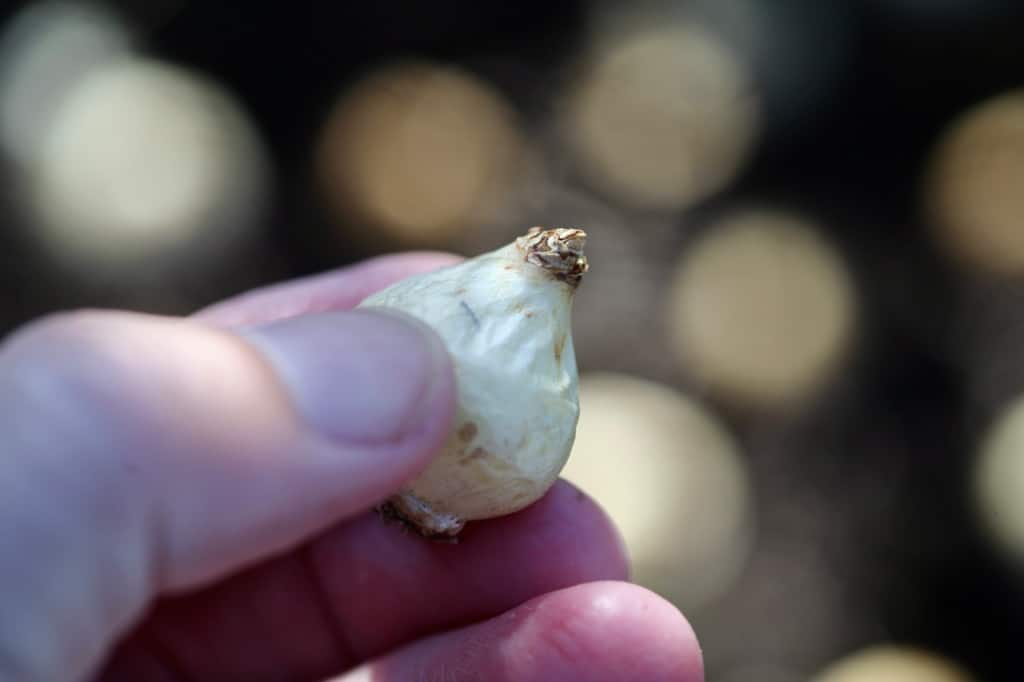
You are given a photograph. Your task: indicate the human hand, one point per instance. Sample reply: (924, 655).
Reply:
(188, 500)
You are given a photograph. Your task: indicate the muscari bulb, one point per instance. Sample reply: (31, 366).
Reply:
(505, 318)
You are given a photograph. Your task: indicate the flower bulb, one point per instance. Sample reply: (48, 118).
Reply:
(505, 318)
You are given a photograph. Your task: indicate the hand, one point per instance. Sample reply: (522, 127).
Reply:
(188, 499)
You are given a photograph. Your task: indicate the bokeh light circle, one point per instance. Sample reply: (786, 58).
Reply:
(44, 51)
(887, 663)
(999, 481)
(145, 164)
(672, 479)
(418, 152)
(761, 308)
(662, 117)
(973, 191)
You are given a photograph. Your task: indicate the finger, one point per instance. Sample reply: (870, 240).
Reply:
(338, 290)
(406, 592)
(146, 454)
(364, 588)
(598, 632)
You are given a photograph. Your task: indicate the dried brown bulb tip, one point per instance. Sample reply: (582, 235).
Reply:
(558, 250)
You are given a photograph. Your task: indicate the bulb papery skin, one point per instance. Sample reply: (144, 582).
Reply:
(505, 318)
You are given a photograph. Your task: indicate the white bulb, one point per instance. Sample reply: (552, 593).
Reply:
(505, 318)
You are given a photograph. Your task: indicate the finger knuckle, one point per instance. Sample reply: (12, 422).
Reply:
(63, 354)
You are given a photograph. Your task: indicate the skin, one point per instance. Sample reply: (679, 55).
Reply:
(189, 499)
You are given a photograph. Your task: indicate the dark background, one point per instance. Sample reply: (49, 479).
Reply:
(854, 97)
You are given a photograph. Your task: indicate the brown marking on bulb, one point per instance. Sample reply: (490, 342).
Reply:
(521, 308)
(467, 431)
(475, 454)
(559, 347)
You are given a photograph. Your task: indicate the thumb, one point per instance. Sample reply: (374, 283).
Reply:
(144, 455)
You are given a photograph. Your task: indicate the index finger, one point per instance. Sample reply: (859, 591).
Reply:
(339, 289)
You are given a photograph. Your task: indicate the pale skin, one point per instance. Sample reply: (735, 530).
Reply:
(191, 499)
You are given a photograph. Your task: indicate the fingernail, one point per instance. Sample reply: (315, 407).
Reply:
(357, 376)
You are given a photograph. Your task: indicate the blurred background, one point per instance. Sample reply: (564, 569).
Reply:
(800, 337)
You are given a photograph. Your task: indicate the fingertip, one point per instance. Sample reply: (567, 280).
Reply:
(621, 628)
(599, 632)
(376, 572)
(364, 377)
(606, 630)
